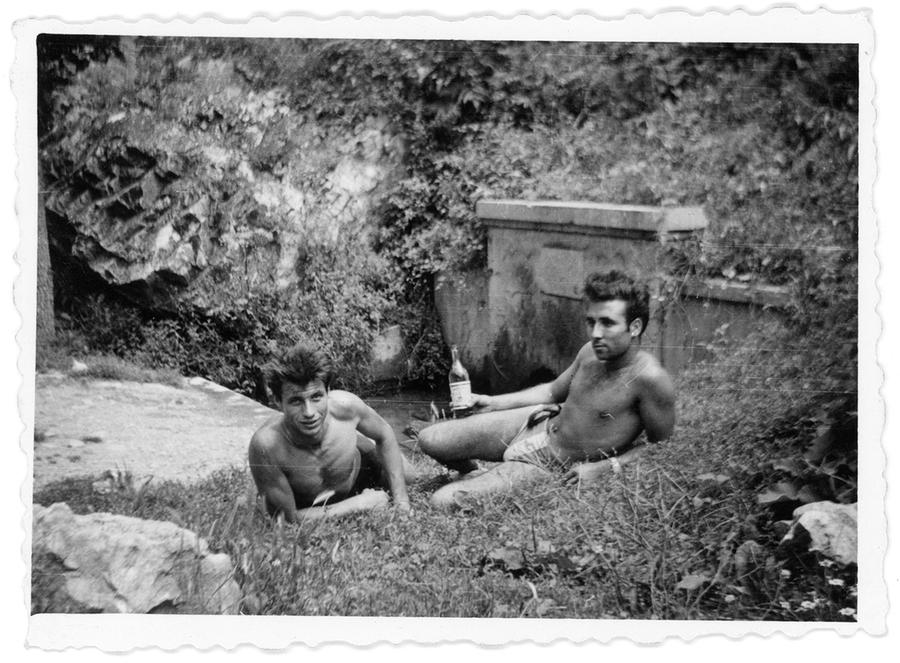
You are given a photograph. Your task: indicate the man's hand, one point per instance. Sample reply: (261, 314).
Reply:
(586, 473)
(482, 403)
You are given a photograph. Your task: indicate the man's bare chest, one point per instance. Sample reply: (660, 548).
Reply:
(614, 393)
(331, 460)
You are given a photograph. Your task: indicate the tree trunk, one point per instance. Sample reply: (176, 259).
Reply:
(46, 320)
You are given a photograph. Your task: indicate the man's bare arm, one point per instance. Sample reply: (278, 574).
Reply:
(550, 392)
(656, 405)
(365, 501)
(373, 426)
(271, 482)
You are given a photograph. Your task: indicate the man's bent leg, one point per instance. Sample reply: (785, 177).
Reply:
(482, 436)
(499, 479)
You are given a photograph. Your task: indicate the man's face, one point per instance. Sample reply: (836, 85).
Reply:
(606, 325)
(305, 407)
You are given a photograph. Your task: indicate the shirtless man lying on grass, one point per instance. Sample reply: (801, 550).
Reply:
(327, 453)
(583, 425)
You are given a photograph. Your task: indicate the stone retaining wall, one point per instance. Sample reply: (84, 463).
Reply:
(520, 320)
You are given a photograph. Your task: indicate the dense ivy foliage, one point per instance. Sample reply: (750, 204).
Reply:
(762, 136)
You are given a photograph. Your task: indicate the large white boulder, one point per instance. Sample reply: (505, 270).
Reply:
(825, 527)
(117, 563)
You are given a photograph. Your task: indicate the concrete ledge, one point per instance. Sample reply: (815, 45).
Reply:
(587, 217)
(775, 296)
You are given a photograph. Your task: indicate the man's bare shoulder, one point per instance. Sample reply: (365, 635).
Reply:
(652, 376)
(344, 405)
(268, 438)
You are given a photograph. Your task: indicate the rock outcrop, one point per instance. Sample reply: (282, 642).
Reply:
(111, 563)
(827, 528)
(219, 199)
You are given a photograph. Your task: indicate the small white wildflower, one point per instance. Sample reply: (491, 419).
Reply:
(853, 591)
(784, 605)
(785, 573)
(826, 563)
(847, 612)
(836, 582)
(730, 598)
(807, 605)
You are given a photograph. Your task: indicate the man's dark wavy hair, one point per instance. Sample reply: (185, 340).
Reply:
(299, 365)
(606, 286)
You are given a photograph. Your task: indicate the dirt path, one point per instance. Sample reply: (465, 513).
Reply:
(86, 427)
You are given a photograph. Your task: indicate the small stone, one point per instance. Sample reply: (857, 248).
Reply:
(78, 366)
(95, 438)
(103, 486)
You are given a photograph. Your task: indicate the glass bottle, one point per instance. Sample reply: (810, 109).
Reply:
(460, 386)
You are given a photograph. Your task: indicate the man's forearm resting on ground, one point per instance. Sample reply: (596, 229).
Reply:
(365, 501)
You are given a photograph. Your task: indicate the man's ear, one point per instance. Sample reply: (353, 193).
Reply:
(636, 327)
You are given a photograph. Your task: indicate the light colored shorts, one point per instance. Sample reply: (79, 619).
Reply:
(532, 446)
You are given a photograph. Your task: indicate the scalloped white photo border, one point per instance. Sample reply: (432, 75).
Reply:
(782, 24)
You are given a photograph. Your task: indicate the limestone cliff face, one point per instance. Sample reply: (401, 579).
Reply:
(216, 202)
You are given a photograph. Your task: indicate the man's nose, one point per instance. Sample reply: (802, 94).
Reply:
(306, 408)
(596, 331)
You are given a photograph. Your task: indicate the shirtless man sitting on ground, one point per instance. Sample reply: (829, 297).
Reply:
(581, 426)
(327, 453)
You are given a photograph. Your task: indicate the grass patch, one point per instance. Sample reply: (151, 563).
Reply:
(108, 367)
(61, 355)
(619, 551)
(682, 534)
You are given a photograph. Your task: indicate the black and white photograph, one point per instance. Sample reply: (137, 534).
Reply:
(535, 331)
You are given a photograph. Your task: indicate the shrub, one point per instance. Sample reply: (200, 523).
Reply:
(764, 137)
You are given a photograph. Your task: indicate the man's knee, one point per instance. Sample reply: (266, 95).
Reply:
(427, 441)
